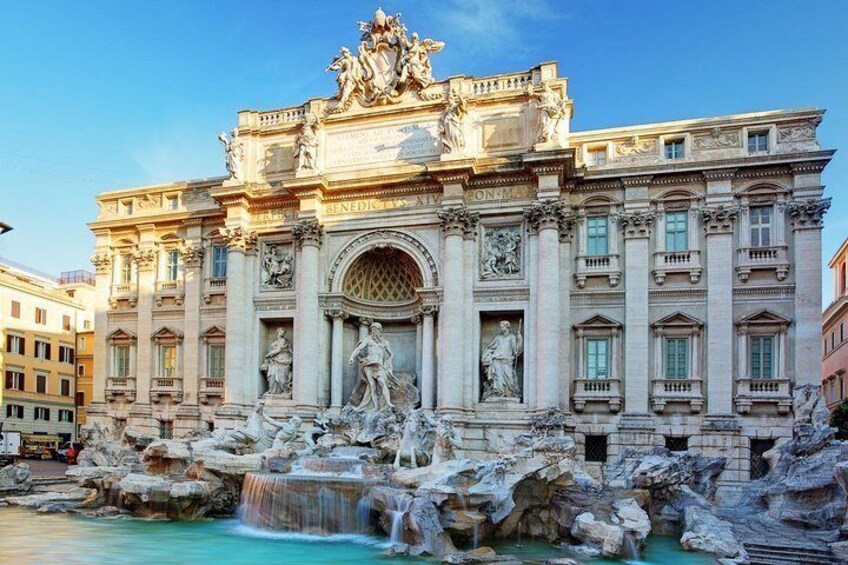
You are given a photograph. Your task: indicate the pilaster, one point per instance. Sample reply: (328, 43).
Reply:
(192, 257)
(307, 235)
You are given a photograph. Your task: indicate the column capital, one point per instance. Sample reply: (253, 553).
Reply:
(719, 219)
(307, 232)
(336, 314)
(550, 214)
(192, 255)
(145, 259)
(363, 321)
(428, 310)
(239, 239)
(808, 214)
(416, 319)
(457, 220)
(636, 224)
(102, 263)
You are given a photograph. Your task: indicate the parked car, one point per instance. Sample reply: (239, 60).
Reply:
(68, 452)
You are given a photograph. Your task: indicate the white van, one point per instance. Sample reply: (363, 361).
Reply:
(10, 447)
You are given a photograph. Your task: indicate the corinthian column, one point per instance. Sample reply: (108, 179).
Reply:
(455, 222)
(338, 316)
(240, 243)
(428, 344)
(307, 235)
(145, 260)
(103, 277)
(546, 218)
(806, 216)
(192, 256)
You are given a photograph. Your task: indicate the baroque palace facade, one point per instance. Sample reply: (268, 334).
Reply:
(661, 282)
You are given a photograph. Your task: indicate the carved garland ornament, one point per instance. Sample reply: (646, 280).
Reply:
(808, 213)
(307, 232)
(458, 221)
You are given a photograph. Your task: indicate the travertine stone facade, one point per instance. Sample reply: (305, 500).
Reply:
(664, 277)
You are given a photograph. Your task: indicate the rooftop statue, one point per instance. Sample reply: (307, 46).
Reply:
(386, 65)
(234, 154)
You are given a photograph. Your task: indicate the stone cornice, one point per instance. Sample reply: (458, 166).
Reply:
(719, 174)
(642, 180)
(452, 172)
(808, 167)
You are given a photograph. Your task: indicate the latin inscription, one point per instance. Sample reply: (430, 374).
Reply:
(411, 142)
(366, 205)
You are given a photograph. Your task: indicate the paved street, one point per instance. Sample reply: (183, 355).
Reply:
(42, 468)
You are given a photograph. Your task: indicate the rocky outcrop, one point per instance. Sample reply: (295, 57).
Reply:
(15, 479)
(705, 532)
(160, 496)
(60, 501)
(627, 523)
(480, 555)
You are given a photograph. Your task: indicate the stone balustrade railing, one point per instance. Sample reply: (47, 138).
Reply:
(765, 391)
(502, 83)
(665, 391)
(597, 390)
(281, 116)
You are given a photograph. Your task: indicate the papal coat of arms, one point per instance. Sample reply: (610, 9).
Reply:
(387, 64)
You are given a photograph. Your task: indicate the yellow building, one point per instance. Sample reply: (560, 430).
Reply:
(85, 373)
(40, 318)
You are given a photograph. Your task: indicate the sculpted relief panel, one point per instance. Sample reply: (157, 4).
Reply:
(277, 266)
(501, 256)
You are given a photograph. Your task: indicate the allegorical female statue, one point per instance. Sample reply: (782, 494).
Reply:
(234, 152)
(306, 144)
(277, 366)
(450, 124)
(374, 355)
(499, 361)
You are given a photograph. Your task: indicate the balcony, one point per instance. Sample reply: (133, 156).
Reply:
(762, 259)
(123, 292)
(666, 262)
(166, 386)
(214, 287)
(598, 266)
(211, 388)
(682, 391)
(597, 390)
(169, 289)
(120, 387)
(763, 391)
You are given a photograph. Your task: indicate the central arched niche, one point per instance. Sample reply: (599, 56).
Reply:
(381, 284)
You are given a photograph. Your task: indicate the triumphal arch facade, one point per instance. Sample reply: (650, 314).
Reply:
(455, 241)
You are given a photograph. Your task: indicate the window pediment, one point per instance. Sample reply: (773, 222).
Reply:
(598, 322)
(122, 336)
(678, 320)
(166, 334)
(764, 320)
(213, 333)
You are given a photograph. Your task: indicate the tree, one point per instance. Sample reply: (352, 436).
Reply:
(839, 420)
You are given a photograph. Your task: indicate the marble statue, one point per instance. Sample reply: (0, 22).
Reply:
(410, 442)
(386, 65)
(499, 361)
(501, 253)
(234, 151)
(277, 366)
(447, 441)
(277, 268)
(306, 143)
(374, 356)
(450, 123)
(286, 433)
(552, 110)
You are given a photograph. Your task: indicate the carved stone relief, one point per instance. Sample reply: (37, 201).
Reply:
(502, 253)
(277, 266)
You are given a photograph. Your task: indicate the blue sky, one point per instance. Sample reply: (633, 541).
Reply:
(101, 95)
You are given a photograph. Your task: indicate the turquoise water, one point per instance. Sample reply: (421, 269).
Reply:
(27, 538)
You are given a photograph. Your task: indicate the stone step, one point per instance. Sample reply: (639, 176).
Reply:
(761, 554)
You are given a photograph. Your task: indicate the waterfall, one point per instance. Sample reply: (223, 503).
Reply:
(631, 548)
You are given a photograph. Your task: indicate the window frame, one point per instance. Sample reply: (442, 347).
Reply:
(592, 222)
(15, 309)
(219, 263)
(211, 360)
(16, 378)
(39, 379)
(672, 371)
(760, 228)
(756, 135)
(673, 236)
(119, 363)
(673, 144)
(598, 356)
(760, 339)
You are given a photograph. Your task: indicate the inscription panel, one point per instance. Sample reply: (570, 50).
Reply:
(413, 143)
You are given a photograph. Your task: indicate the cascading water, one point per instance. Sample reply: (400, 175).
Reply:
(319, 496)
(631, 547)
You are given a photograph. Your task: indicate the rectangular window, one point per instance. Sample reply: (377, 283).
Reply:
(42, 413)
(14, 380)
(216, 361)
(758, 142)
(761, 226)
(66, 354)
(172, 202)
(674, 149)
(126, 268)
(841, 332)
(677, 358)
(168, 360)
(127, 206)
(15, 344)
(66, 323)
(677, 443)
(66, 387)
(677, 231)
(762, 357)
(80, 399)
(81, 342)
(86, 324)
(121, 361)
(15, 411)
(80, 370)
(16, 309)
(596, 157)
(66, 415)
(832, 339)
(41, 384)
(596, 449)
(597, 358)
(42, 350)
(40, 316)
(219, 262)
(172, 265)
(596, 235)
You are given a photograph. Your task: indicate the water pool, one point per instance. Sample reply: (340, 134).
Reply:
(28, 538)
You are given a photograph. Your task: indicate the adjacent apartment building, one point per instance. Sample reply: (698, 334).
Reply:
(835, 333)
(40, 317)
(85, 373)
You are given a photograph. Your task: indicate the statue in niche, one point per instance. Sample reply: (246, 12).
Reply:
(447, 441)
(500, 360)
(501, 253)
(277, 267)
(234, 151)
(306, 143)
(277, 366)
(374, 356)
(552, 109)
(450, 124)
